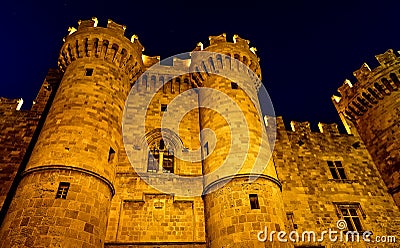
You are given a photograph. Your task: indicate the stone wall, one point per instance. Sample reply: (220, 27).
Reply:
(310, 193)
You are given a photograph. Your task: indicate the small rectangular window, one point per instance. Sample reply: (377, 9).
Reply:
(234, 85)
(89, 72)
(62, 190)
(163, 107)
(111, 155)
(336, 169)
(352, 219)
(168, 162)
(351, 213)
(254, 201)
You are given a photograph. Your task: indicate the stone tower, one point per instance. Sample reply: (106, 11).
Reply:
(77, 151)
(371, 108)
(242, 194)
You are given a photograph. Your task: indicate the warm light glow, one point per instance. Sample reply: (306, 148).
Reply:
(345, 123)
(145, 58)
(234, 38)
(20, 102)
(320, 127)
(336, 98)
(348, 83)
(266, 120)
(134, 37)
(292, 126)
(71, 30)
(253, 50)
(200, 45)
(95, 21)
(223, 34)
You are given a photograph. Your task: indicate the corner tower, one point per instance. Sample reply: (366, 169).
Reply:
(64, 196)
(371, 108)
(242, 193)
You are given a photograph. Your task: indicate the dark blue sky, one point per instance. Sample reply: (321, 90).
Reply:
(307, 48)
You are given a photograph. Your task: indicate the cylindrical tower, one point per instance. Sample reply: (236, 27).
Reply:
(242, 193)
(372, 107)
(64, 196)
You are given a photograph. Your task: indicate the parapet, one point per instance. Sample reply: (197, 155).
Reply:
(108, 43)
(238, 49)
(92, 23)
(234, 58)
(148, 61)
(371, 86)
(7, 105)
(300, 127)
(218, 39)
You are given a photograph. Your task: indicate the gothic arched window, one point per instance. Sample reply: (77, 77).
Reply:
(160, 158)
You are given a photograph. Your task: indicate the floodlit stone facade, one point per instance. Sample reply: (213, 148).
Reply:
(80, 168)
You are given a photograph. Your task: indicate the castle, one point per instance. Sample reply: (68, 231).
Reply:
(81, 169)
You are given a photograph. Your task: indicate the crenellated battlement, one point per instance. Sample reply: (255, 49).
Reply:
(7, 104)
(110, 44)
(172, 78)
(371, 86)
(242, 51)
(238, 41)
(301, 128)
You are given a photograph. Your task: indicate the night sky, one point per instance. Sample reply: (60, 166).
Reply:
(307, 48)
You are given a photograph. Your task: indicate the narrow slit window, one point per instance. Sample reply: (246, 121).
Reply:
(62, 190)
(152, 163)
(89, 72)
(290, 218)
(162, 144)
(111, 155)
(234, 86)
(206, 151)
(254, 201)
(163, 107)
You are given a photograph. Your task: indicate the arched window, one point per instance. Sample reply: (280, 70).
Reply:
(237, 61)
(219, 61)
(144, 81)
(161, 158)
(245, 60)
(204, 67)
(228, 62)
(95, 46)
(379, 88)
(153, 82)
(115, 48)
(104, 48)
(387, 84)
(211, 62)
(395, 79)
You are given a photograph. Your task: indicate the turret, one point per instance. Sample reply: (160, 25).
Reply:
(63, 198)
(242, 193)
(371, 108)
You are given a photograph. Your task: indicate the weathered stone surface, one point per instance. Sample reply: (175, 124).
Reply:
(79, 186)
